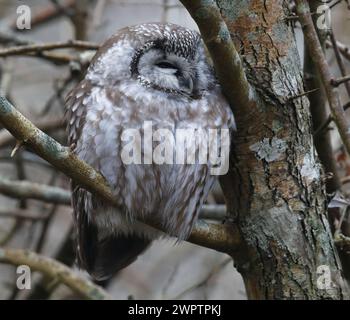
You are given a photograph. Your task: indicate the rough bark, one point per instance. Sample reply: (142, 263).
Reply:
(275, 179)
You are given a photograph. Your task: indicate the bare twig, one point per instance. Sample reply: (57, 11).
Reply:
(97, 13)
(339, 81)
(40, 51)
(31, 48)
(55, 270)
(325, 125)
(21, 175)
(80, 19)
(213, 212)
(318, 58)
(10, 233)
(55, 58)
(45, 228)
(340, 64)
(46, 193)
(343, 49)
(63, 9)
(31, 190)
(22, 214)
(46, 125)
(304, 93)
(58, 94)
(219, 237)
(335, 3)
(318, 109)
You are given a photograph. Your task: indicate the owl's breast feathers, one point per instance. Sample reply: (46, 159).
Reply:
(172, 193)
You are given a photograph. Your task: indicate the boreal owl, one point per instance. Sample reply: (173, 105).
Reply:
(150, 74)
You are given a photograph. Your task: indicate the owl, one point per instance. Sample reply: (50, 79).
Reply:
(154, 74)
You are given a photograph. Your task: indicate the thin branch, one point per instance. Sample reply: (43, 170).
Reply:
(45, 228)
(318, 58)
(21, 174)
(213, 212)
(227, 62)
(325, 125)
(218, 237)
(98, 13)
(339, 81)
(32, 190)
(318, 109)
(340, 64)
(304, 94)
(55, 58)
(62, 9)
(29, 158)
(80, 19)
(335, 3)
(55, 270)
(46, 193)
(343, 49)
(46, 125)
(22, 214)
(58, 94)
(30, 48)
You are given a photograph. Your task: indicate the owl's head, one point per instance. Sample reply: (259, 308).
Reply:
(161, 57)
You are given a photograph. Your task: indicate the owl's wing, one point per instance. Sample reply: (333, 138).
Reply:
(100, 254)
(188, 185)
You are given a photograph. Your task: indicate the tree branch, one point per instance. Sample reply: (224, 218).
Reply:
(343, 49)
(218, 237)
(55, 270)
(47, 125)
(31, 190)
(217, 38)
(30, 48)
(318, 108)
(340, 63)
(325, 125)
(21, 214)
(213, 212)
(339, 81)
(320, 62)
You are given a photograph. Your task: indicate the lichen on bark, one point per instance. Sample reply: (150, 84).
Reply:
(278, 192)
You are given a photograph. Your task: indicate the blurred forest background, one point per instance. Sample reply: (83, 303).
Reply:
(37, 87)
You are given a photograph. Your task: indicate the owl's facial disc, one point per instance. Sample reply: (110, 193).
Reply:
(166, 72)
(174, 69)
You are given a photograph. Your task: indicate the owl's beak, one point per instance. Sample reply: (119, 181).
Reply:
(186, 84)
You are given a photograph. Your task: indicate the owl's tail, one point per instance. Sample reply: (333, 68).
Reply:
(102, 258)
(99, 252)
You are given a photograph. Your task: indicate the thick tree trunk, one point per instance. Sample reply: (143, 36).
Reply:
(275, 181)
